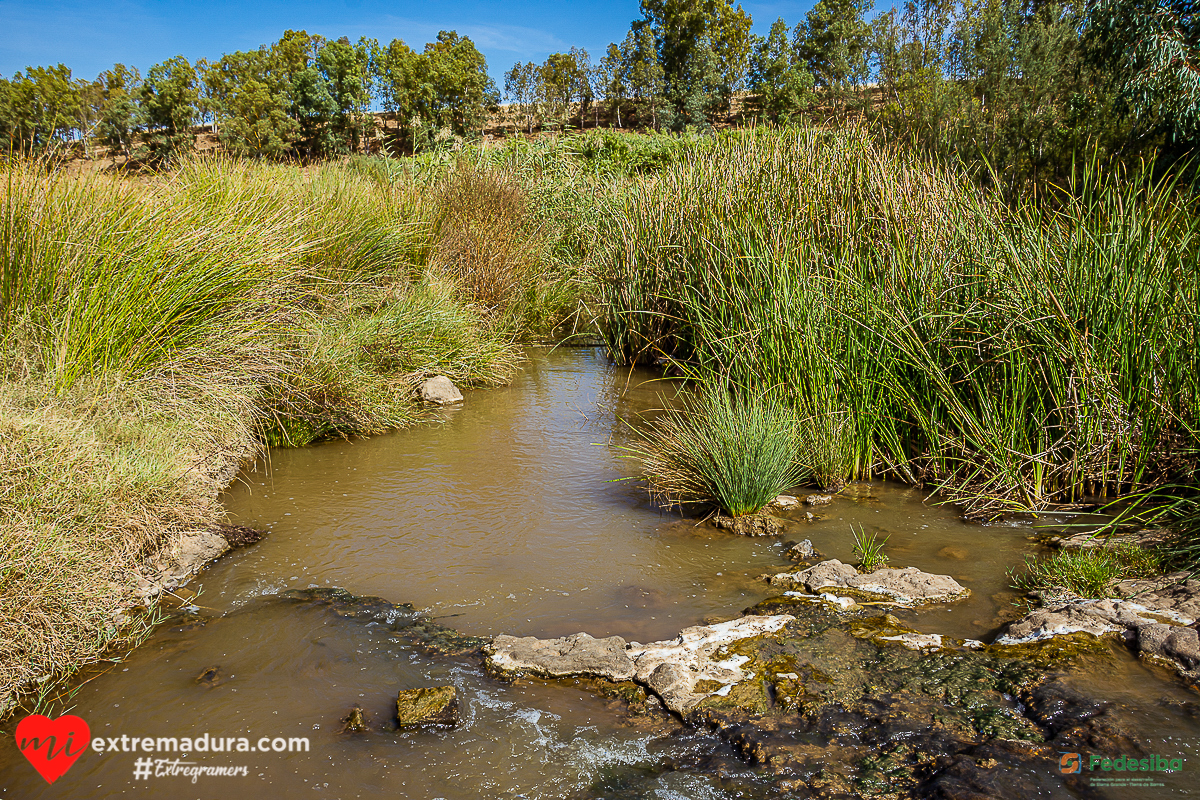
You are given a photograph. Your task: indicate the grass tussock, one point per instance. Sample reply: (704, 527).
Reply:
(736, 452)
(1089, 572)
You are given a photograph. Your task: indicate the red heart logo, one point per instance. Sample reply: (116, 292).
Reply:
(52, 745)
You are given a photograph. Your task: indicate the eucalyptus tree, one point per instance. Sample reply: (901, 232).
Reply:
(445, 87)
(1152, 50)
(704, 50)
(833, 40)
(612, 76)
(248, 94)
(348, 71)
(781, 84)
(521, 89)
(647, 80)
(39, 108)
(119, 115)
(169, 98)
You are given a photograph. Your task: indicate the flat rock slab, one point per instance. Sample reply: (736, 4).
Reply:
(578, 654)
(910, 586)
(435, 705)
(440, 390)
(670, 669)
(1161, 633)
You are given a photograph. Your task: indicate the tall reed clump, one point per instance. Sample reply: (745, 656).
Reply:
(153, 335)
(1013, 357)
(735, 451)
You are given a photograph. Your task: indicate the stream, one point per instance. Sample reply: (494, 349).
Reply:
(510, 514)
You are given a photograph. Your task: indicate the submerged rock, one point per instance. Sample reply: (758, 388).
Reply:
(818, 499)
(909, 586)
(750, 524)
(440, 390)
(802, 551)
(435, 705)
(355, 720)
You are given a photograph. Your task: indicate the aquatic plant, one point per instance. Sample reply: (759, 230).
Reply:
(734, 450)
(868, 549)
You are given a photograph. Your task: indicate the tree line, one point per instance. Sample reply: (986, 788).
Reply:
(1019, 85)
(303, 96)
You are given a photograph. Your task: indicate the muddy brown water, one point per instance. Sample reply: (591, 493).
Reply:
(509, 515)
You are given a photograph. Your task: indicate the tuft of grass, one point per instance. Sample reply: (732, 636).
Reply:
(731, 450)
(1089, 572)
(869, 550)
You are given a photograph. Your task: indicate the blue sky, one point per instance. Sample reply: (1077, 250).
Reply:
(91, 36)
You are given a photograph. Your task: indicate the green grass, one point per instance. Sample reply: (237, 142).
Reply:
(737, 452)
(1012, 358)
(1089, 572)
(155, 334)
(869, 551)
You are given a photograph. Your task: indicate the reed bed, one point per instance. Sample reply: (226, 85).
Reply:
(1012, 358)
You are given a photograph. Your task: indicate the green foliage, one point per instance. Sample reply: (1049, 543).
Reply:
(781, 83)
(119, 110)
(647, 79)
(446, 87)
(733, 449)
(869, 550)
(39, 108)
(169, 98)
(564, 80)
(1014, 358)
(1088, 572)
(703, 47)
(521, 89)
(833, 41)
(1153, 51)
(247, 92)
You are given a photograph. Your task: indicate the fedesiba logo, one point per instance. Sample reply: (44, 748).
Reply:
(1072, 763)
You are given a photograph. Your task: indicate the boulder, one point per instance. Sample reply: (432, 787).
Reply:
(815, 578)
(750, 524)
(818, 499)
(909, 585)
(1156, 632)
(785, 501)
(435, 705)
(440, 390)
(670, 669)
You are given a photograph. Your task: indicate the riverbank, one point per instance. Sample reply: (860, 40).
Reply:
(158, 335)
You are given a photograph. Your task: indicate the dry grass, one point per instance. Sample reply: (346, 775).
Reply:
(484, 237)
